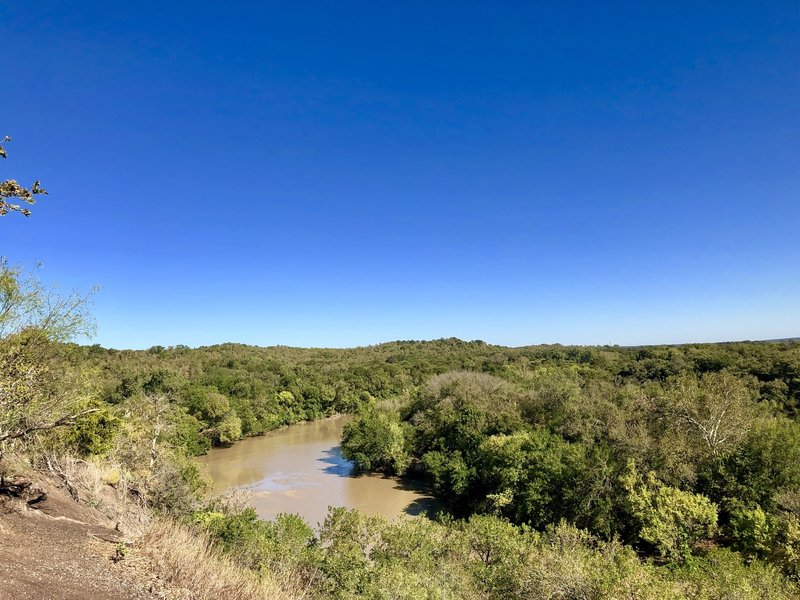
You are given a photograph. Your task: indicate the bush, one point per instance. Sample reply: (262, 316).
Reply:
(722, 575)
(93, 434)
(671, 519)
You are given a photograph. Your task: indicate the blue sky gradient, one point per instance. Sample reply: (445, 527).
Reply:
(338, 174)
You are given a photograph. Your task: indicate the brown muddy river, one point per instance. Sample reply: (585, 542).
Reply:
(300, 470)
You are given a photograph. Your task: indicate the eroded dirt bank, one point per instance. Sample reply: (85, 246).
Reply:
(60, 549)
(105, 546)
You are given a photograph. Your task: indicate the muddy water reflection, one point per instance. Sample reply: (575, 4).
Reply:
(300, 469)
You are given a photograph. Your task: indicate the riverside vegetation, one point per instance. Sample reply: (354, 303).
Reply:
(570, 472)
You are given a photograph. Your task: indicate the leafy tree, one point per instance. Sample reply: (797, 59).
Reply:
(37, 391)
(155, 455)
(26, 303)
(553, 392)
(229, 430)
(716, 408)
(492, 539)
(450, 474)
(785, 548)
(348, 538)
(765, 466)
(752, 530)
(671, 519)
(93, 433)
(377, 441)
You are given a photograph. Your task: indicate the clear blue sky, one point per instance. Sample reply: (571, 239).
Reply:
(337, 174)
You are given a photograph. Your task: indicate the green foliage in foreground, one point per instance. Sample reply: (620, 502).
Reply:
(484, 557)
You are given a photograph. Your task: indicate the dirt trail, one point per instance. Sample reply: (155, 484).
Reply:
(62, 550)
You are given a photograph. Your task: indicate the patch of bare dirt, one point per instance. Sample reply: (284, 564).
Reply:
(59, 549)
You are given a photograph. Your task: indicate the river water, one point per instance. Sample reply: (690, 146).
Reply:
(300, 470)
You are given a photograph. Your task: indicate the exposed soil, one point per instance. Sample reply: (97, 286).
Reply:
(60, 549)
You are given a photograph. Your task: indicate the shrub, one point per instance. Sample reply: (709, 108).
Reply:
(671, 519)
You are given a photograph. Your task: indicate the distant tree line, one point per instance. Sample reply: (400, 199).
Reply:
(231, 391)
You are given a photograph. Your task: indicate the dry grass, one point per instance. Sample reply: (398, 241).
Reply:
(173, 560)
(191, 567)
(106, 487)
(180, 563)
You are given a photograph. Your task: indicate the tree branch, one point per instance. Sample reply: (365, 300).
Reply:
(63, 421)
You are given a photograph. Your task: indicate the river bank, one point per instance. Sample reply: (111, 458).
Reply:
(300, 470)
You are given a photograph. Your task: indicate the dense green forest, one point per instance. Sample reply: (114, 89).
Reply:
(230, 391)
(569, 472)
(673, 451)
